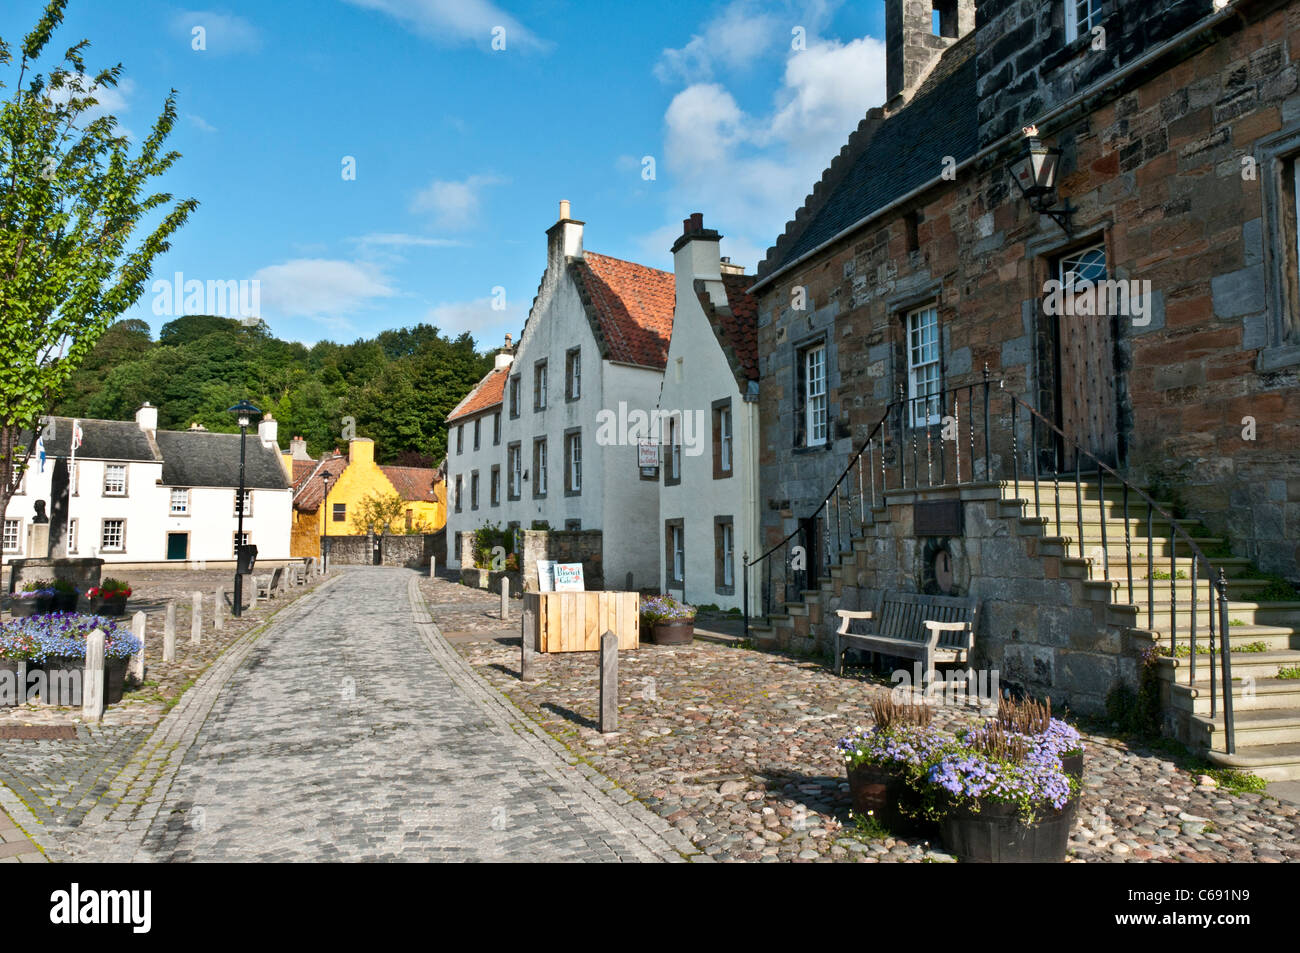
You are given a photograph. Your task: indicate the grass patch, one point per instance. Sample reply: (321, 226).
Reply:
(867, 828)
(1237, 782)
(1291, 671)
(1251, 647)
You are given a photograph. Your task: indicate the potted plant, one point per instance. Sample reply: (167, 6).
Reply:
(1034, 720)
(668, 621)
(32, 599)
(17, 646)
(65, 596)
(61, 652)
(888, 763)
(109, 597)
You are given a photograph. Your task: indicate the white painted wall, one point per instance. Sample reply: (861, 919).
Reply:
(463, 464)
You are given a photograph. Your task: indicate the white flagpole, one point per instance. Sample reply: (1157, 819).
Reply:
(72, 464)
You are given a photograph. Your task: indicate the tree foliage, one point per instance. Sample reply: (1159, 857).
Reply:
(73, 193)
(384, 514)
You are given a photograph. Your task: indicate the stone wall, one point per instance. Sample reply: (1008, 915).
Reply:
(412, 552)
(580, 546)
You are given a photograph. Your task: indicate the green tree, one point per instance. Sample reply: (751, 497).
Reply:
(72, 196)
(385, 514)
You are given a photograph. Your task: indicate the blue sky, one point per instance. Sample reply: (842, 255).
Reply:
(462, 152)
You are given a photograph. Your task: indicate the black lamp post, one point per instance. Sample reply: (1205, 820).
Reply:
(245, 410)
(325, 504)
(1035, 171)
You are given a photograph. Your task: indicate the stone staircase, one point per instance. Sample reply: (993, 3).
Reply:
(1264, 633)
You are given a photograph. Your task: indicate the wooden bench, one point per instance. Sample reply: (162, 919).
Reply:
(267, 586)
(914, 626)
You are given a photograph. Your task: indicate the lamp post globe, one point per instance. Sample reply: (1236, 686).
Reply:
(243, 411)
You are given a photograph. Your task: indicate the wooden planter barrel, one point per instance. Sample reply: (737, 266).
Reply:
(575, 621)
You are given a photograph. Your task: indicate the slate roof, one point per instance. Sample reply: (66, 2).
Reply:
(203, 458)
(630, 307)
(414, 484)
(735, 325)
(101, 440)
(487, 393)
(887, 158)
(309, 494)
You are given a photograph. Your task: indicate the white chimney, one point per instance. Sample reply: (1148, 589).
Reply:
(298, 449)
(695, 255)
(146, 418)
(505, 356)
(268, 430)
(563, 240)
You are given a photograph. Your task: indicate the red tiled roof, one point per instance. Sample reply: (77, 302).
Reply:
(414, 484)
(486, 394)
(632, 307)
(735, 326)
(309, 494)
(302, 469)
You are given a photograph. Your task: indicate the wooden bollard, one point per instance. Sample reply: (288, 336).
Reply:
(219, 609)
(138, 622)
(608, 682)
(169, 633)
(505, 598)
(196, 620)
(433, 566)
(251, 586)
(528, 643)
(92, 686)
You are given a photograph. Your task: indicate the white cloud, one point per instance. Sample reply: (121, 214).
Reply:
(449, 21)
(108, 99)
(222, 32)
(741, 36)
(487, 326)
(453, 204)
(319, 287)
(402, 240)
(200, 122)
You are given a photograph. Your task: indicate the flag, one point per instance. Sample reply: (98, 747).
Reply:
(40, 451)
(76, 434)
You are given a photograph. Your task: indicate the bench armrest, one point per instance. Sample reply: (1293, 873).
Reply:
(938, 627)
(848, 615)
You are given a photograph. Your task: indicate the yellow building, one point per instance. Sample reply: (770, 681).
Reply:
(352, 479)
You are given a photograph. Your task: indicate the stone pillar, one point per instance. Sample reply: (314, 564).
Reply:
(608, 682)
(505, 598)
(433, 566)
(92, 685)
(528, 643)
(138, 622)
(196, 619)
(219, 609)
(169, 633)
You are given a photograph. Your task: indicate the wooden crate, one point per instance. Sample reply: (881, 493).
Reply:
(575, 621)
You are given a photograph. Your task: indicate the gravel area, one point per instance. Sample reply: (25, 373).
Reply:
(735, 748)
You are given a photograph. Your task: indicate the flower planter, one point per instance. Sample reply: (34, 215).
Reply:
(885, 794)
(13, 682)
(63, 679)
(995, 834)
(112, 605)
(1073, 765)
(63, 602)
(22, 608)
(672, 633)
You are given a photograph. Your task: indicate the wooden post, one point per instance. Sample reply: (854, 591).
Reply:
(608, 682)
(196, 619)
(219, 609)
(137, 629)
(92, 685)
(433, 566)
(252, 599)
(528, 642)
(169, 633)
(505, 598)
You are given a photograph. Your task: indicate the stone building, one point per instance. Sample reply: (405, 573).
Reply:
(918, 262)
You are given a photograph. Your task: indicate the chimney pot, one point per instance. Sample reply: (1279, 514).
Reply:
(697, 221)
(564, 208)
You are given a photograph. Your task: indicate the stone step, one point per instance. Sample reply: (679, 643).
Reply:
(1273, 762)
(1248, 694)
(1285, 614)
(1252, 728)
(1239, 590)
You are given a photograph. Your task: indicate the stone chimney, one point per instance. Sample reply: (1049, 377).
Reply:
(912, 45)
(268, 430)
(563, 240)
(506, 355)
(146, 418)
(298, 449)
(695, 256)
(361, 450)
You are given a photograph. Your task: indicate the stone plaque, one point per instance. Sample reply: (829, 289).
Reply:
(937, 518)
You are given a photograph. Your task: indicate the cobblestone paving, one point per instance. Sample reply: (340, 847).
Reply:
(735, 749)
(15, 847)
(350, 731)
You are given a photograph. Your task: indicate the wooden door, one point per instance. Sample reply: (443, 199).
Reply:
(1087, 407)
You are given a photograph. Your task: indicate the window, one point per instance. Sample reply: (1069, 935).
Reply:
(722, 438)
(473, 490)
(477, 421)
(458, 489)
(494, 486)
(514, 468)
(248, 503)
(1080, 17)
(673, 465)
(496, 429)
(341, 512)
(237, 540)
(539, 467)
(112, 535)
(572, 526)
(460, 438)
(573, 374)
(539, 385)
(724, 547)
(180, 502)
(72, 536)
(572, 462)
(1088, 265)
(674, 553)
(12, 534)
(813, 394)
(923, 383)
(514, 396)
(115, 479)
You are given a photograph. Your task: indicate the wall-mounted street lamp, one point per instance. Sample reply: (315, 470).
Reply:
(1035, 171)
(244, 410)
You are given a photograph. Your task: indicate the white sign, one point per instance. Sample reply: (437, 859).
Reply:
(647, 454)
(546, 575)
(568, 577)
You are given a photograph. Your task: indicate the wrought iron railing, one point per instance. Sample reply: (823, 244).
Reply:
(973, 429)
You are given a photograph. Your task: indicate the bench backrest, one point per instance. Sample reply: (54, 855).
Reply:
(275, 576)
(902, 615)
